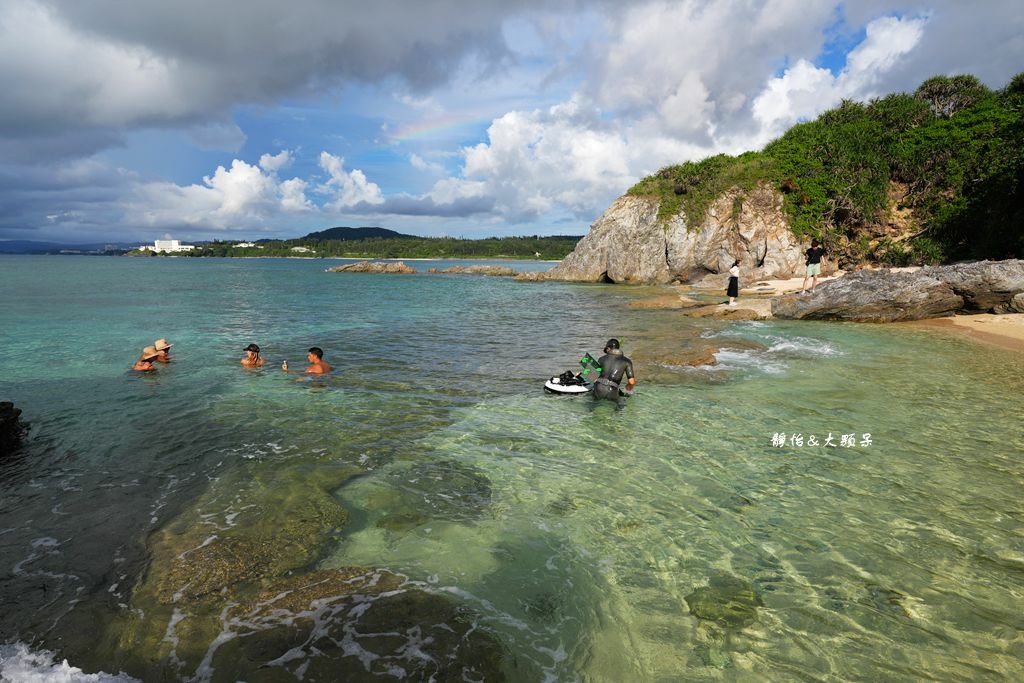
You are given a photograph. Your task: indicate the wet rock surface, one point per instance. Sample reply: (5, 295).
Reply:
(444, 489)
(388, 267)
(728, 601)
(887, 296)
(12, 429)
(494, 271)
(235, 594)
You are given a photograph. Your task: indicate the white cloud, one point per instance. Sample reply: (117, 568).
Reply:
(243, 190)
(347, 188)
(293, 196)
(537, 160)
(804, 91)
(800, 92)
(421, 164)
(242, 196)
(888, 40)
(274, 163)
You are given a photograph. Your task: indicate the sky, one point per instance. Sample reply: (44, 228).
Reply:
(257, 119)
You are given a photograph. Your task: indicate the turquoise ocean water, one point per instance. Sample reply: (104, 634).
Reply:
(193, 524)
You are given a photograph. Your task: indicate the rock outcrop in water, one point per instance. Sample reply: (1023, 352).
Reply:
(388, 267)
(12, 429)
(494, 271)
(885, 296)
(630, 244)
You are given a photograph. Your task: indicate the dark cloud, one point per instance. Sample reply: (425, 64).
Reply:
(110, 63)
(656, 82)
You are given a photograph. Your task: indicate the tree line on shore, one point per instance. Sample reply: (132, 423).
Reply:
(533, 247)
(947, 158)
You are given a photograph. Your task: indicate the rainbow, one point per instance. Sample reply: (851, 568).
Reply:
(425, 129)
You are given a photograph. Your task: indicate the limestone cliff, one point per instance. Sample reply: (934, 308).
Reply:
(630, 244)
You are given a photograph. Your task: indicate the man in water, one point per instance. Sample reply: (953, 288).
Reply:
(162, 348)
(317, 364)
(615, 367)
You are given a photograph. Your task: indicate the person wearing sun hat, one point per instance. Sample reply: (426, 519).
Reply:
(145, 361)
(162, 347)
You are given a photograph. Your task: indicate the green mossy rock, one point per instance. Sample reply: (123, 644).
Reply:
(727, 601)
(443, 489)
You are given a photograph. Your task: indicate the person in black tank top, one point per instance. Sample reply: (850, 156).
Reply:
(813, 261)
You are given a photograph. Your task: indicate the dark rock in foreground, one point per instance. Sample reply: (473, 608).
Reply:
(11, 428)
(886, 296)
(389, 267)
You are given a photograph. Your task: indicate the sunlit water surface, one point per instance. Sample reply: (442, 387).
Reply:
(577, 538)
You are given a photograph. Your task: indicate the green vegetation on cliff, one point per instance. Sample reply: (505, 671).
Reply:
(947, 161)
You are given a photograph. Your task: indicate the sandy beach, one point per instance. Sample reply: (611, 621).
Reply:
(1005, 331)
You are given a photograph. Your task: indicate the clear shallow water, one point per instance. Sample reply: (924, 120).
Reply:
(572, 535)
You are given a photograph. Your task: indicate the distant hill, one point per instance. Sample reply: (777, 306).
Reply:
(348, 234)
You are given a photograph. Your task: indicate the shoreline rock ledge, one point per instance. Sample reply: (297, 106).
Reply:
(389, 267)
(885, 296)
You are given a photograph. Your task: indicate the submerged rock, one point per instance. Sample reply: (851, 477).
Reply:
(389, 267)
(885, 601)
(727, 601)
(443, 489)
(353, 630)
(12, 429)
(235, 595)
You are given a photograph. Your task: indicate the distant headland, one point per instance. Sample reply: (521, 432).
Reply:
(336, 242)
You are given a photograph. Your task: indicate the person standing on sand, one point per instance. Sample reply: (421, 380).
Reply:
(733, 290)
(317, 364)
(814, 255)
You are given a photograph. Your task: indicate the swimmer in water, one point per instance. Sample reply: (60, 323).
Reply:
(146, 360)
(318, 366)
(252, 357)
(162, 347)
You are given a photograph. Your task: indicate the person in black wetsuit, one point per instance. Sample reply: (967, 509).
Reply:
(616, 368)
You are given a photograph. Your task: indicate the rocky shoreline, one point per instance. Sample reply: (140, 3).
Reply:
(984, 300)
(884, 295)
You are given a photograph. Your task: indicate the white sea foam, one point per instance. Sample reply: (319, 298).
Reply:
(801, 346)
(751, 359)
(20, 664)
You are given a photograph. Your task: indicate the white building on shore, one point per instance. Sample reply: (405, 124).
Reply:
(167, 246)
